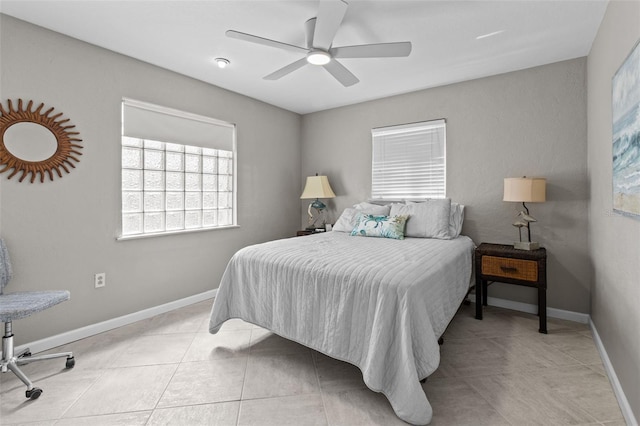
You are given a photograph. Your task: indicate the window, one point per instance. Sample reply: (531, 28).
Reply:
(178, 171)
(409, 161)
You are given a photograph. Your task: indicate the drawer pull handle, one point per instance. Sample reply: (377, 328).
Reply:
(509, 269)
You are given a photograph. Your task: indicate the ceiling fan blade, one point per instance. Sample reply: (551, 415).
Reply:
(309, 29)
(264, 41)
(340, 73)
(330, 15)
(286, 70)
(380, 50)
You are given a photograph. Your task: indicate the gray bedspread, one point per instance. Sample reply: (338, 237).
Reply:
(377, 303)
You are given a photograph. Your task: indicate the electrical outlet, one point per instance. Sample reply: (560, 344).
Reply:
(100, 279)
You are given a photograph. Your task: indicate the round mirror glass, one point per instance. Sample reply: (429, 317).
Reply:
(30, 141)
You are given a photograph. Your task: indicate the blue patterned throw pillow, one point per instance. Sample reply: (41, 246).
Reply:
(368, 225)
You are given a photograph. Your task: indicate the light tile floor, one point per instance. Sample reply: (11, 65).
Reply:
(168, 370)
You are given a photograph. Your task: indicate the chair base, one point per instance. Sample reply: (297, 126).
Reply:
(11, 361)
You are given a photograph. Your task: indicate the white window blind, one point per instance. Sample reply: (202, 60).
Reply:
(409, 161)
(142, 120)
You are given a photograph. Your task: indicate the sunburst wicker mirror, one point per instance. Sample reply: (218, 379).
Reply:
(67, 148)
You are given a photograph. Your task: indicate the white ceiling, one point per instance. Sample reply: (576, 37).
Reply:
(184, 36)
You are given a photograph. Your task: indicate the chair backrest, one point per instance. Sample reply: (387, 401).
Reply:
(5, 266)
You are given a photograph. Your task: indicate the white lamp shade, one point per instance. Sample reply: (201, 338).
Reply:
(525, 190)
(317, 187)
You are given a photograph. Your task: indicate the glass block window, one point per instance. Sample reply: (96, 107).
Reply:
(172, 187)
(409, 161)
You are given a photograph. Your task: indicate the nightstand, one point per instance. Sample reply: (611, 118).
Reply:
(502, 263)
(308, 232)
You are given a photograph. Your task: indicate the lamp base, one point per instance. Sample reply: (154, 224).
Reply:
(526, 245)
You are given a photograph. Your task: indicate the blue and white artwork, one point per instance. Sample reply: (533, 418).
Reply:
(626, 135)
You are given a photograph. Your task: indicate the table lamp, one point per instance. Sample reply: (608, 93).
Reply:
(525, 190)
(316, 187)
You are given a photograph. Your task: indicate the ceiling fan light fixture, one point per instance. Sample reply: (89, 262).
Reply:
(318, 57)
(221, 62)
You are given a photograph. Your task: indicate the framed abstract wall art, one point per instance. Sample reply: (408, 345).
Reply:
(625, 95)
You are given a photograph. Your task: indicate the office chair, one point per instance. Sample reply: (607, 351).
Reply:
(19, 305)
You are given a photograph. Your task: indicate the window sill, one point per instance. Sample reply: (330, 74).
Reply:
(167, 233)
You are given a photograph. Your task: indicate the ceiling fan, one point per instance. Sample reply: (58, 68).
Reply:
(320, 32)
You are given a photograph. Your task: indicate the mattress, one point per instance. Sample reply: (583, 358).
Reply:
(378, 303)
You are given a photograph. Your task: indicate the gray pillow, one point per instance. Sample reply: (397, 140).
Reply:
(429, 219)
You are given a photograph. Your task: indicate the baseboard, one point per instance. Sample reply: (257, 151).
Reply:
(625, 407)
(533, 309)
(101, 327)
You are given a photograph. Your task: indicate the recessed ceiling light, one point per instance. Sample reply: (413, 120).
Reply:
(221, 62)
(480, 37)
(318, 57)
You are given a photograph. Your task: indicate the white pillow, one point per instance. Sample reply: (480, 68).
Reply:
(371, 208)
(429, 219)
(456, 218)
(347, 220)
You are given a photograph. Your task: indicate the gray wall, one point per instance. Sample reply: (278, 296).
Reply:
(60, 233)
(614, 240)
(530, 122)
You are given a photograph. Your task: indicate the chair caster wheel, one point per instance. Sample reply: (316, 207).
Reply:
(70, 362)
(33, 393)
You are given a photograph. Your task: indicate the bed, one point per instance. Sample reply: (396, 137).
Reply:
(378, 303)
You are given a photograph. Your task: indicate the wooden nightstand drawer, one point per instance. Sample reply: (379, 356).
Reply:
(510, 268)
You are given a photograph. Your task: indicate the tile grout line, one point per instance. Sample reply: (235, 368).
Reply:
(324, 405)
(155, 407)
(99, 376)
(177, 367)
(244, 377)
(93, 416)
